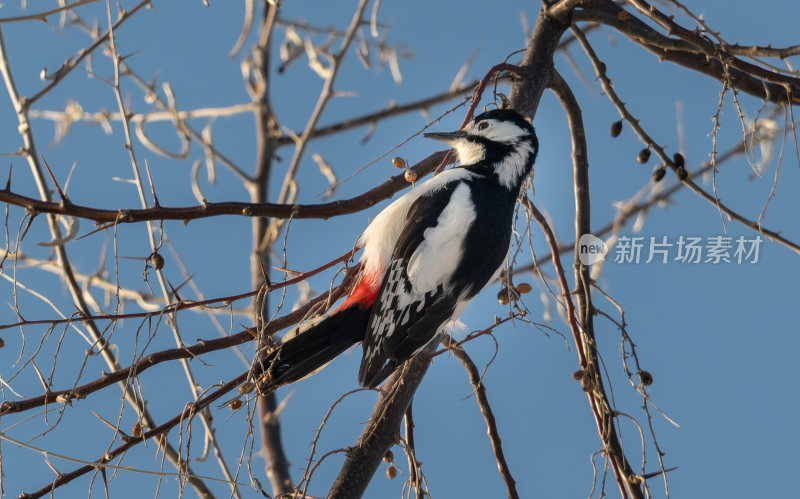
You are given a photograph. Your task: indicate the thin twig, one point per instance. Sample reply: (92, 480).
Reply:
(285, 194)
(182, 305)
(161, 430)
(22, 106)
(73, 62)
(188, 351)
(601, 413)
(486, 411)
(42, 16)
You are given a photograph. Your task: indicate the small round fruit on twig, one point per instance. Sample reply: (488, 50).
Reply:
(616, 128)
(659, 173)
(156, 260)
(643, 156)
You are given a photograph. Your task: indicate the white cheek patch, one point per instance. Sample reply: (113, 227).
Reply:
(469, 153)
(514, 166)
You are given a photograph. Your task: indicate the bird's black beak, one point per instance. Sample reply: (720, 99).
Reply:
(446, 136)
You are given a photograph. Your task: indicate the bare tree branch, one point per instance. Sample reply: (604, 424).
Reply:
(382, 429)
(267, 128)
(681, 52)
(711, 49)
(254, 209)
(601, 406)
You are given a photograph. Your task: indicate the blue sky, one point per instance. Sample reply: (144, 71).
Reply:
(719, 339)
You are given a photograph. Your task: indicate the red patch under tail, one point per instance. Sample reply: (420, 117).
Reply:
(364, 293)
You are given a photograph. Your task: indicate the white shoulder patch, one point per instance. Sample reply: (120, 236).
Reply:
(436, 258)
(380, 237)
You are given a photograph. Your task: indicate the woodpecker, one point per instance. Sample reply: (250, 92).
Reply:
(424, 258)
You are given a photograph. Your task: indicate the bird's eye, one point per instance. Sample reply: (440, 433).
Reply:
(482, 125)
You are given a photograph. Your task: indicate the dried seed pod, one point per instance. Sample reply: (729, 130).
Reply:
(643, 156)
(398, 162)
(388, 457)
(679, 160)
(577, 375)
(235, 404)
(635, 479)
(503, 296)
(616, 128)
(246, 387)
(2, 343)
(411, 176)
(646, 378)
(659, 173)
(156, 260)
(391, 472)
(523, 288)
(64, 399)
(504, 102)
(137, 430)
(587, 383)
(681, 173)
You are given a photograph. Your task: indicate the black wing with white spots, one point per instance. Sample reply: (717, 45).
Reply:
(404, 320)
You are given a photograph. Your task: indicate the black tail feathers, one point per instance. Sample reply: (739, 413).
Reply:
(376, 374)
(310, 350)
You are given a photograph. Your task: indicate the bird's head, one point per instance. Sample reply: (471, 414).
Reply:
(500, 141)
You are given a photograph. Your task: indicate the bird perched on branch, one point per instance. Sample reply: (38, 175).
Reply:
(425, 256)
